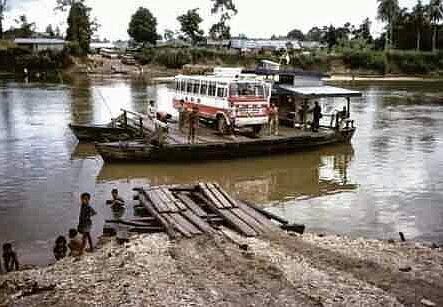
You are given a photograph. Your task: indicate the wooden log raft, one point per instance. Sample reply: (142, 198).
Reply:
(188, 211)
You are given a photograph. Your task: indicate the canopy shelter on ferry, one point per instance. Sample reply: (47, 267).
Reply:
(294, 101)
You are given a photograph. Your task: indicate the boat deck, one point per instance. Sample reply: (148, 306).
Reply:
(206, 135)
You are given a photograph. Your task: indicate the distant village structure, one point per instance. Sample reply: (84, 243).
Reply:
(40, 44)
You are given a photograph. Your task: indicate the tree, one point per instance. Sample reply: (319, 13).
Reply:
(58, 32)
(143, 27)
(226, 9)
(50, 31)
(80, 28)
(190, 25)
(418, 19)
(25, 29)
(315, 35)
(435, 12)
(363, 32)
(2, 11)
(387, 12)
(221, 30)
(296, 34)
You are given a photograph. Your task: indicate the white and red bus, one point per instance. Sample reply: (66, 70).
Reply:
(230, 99)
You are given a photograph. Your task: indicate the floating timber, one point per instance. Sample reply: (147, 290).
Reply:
(193, 210)
(211, 146)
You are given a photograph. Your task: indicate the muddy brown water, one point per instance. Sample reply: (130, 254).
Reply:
(388, 180)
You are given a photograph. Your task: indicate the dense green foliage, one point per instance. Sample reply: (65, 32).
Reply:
(143, 27)
(16, 59)
(190, 25)
(80, 27)
(358, 61)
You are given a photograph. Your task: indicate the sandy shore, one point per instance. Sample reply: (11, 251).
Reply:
(276, 270)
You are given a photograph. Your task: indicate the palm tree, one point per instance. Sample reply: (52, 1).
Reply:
(418, 16)
(435, 12)
(387, 11)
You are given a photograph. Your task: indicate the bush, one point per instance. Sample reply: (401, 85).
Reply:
(16, 59)
(364, 60)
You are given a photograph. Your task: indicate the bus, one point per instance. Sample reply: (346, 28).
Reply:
(228, 98)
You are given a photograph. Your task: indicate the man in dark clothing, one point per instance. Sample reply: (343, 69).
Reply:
(85, 222)
(317, 116)
(193, 124)
(10, 260)
(181, 115)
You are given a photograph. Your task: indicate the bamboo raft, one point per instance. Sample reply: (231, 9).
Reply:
(189, 211)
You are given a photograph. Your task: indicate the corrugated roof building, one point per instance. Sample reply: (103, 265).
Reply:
(40, 44)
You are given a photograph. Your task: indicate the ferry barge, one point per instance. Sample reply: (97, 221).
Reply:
(240, 101)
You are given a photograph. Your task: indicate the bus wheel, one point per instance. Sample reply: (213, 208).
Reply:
(222, 127)
(257, 129)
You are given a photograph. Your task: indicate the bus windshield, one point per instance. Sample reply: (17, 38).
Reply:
(247, 89)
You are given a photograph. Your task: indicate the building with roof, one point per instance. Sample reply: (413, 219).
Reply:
(265, 44)
(40, 44)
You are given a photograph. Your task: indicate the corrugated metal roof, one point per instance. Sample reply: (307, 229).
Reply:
(320, 91)
(43, 41)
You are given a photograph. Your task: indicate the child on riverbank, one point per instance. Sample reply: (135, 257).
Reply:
(85, 221)
(10, 260)
(75, 244)
(60, 248)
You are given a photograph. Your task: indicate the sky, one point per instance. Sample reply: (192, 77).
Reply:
(255, 18)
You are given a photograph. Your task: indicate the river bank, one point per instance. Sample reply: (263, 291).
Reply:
(276, 270)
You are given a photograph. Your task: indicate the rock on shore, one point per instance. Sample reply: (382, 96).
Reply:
(276, 270)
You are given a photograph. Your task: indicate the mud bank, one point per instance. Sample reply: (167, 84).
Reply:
(276, 270)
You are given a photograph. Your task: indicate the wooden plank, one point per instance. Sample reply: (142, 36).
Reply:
(204, 190)
(226, 195)
(178, 203)
(176, 226)
(266, 222)
(198, 222)
(180, 220)
(237, 223)
(259, 228)
(263, 212)
(223, 200)
(167, 201)
(159, 205)
(196, 209)
(150, 208)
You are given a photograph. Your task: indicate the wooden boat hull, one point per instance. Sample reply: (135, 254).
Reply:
(102, 133)
(138, 152)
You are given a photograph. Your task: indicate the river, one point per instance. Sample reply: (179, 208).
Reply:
(388, 181)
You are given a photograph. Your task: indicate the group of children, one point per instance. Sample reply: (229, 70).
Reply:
(81, 237)
(78, 238)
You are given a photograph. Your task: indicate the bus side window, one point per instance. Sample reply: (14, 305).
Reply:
(196, 89)
(204, 88)
(212, 89)
(189, 86)
(221, 92)
(182, 85)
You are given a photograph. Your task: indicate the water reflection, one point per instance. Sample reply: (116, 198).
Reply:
(264, 180)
